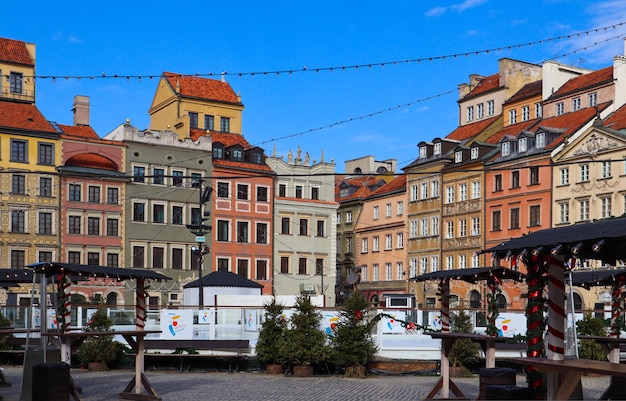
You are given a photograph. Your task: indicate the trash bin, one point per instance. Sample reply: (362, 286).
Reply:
(51, 382)
(507, 392)
(494, 377)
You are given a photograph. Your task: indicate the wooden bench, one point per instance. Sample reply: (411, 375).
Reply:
(572, 370)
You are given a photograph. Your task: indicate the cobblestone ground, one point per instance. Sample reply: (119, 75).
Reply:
(244, 386)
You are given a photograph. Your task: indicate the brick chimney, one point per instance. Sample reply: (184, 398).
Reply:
(81, 110)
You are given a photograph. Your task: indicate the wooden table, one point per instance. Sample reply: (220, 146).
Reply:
(611, 345)
(445, 384)
(571, 371)
(135, 339)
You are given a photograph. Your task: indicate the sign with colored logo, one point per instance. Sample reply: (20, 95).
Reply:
(177, 323)
(392, 325)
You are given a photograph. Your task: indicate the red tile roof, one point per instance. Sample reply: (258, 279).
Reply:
(471, 130)
(229, 139)
(80, 131)
(529, 90)
(363, 184)
(23, 116)
(396, 184)
(570, 122)
(585, 81)
(15, 51)
(485, 85)
(202, 88)
(617, 120)
(512, 130)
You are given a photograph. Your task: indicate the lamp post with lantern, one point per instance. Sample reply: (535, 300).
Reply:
(199, 229)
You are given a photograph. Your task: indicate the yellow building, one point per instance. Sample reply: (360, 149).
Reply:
(184, 102)
(29, 154)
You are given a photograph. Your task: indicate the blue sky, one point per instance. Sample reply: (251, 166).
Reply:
(146, 38)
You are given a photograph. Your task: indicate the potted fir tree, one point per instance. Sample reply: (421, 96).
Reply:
(463, 352)
(351, 340)
(306, 342)
(97, 351)
(272, 338)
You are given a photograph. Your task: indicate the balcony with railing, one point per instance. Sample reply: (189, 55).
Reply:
(23, 96)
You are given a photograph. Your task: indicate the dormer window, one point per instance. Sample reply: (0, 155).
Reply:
(237, 155)
(458, 156)
(256, 158)
(437, 149)
(474, 154)
(506, 148)
(522, 144)
(218, 152)
(422, 152)
(540, 140)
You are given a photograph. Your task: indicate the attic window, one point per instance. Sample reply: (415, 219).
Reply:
(474, 154)
(458, 156)
(540, 140)
(237, 155)
(218, 152)
(256, 158)
(422, 152)
(506, 148)
(522, 144)
(437, 149)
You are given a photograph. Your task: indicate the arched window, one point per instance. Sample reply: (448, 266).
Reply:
(111, 298)
(474, 299)
(374, 300)
(578, 301)
(501, 301)
(357, 170)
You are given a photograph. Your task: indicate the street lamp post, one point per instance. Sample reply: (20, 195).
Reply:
(199, 229)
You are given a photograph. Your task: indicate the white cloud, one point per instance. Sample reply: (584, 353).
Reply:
(459, 7)
(365, 138)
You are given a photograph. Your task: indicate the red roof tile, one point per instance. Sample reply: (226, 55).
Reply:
(23, 116)
(584, 81)
(81, 131)
(15, 51)
(471, 130)
(513, 130)
(202, 88)
(363, 184)
(229, 139)
(570, 122)
(529, 90)
(617, 120)
(396, 184)
(485, 85)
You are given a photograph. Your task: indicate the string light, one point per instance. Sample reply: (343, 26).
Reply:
(357, 66)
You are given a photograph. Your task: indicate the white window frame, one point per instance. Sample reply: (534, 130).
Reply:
(476, 190)
(462, 192)
(564, 176)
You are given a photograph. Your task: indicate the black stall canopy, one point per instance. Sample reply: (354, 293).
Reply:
(601, 239)
(471, 275)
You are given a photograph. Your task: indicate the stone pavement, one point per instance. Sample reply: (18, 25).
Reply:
(243, 386)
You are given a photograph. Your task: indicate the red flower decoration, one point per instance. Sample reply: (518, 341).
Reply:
(358, 315)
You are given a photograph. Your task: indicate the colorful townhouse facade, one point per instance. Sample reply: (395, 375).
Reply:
(305, 226)
(381, 235)
(29, 153)
(93, 182)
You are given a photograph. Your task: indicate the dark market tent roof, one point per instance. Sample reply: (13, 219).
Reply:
(14, 277)
(609, 234)
(224, 279)
(589, 278)
(472, 275)
(119, 273)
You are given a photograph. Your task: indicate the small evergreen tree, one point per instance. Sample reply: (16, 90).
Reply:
(272, 335)
(591, 326)
(351, 341)
(99, 348)
(463, 351)
(306, 342)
